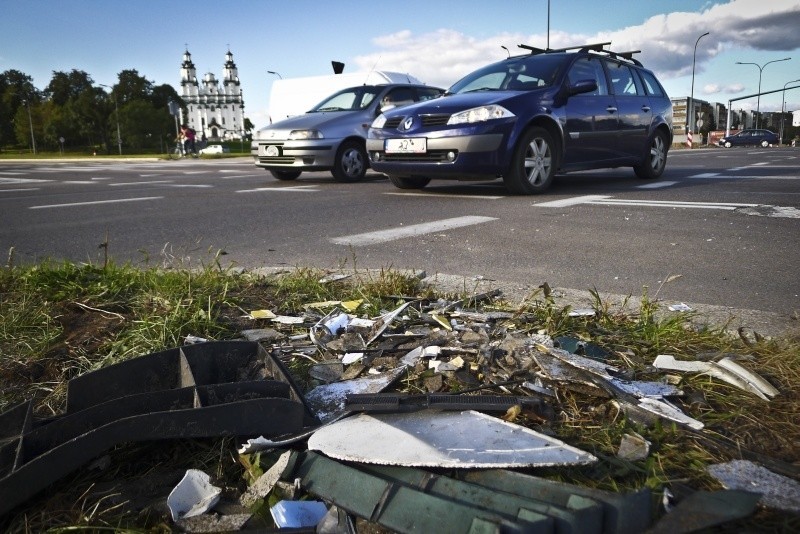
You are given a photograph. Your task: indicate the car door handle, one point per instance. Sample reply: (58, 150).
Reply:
(611, 109)
(646, 109)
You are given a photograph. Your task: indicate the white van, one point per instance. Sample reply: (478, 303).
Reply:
(295, 96)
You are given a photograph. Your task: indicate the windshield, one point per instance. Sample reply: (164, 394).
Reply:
(518, 73)
(351, 99)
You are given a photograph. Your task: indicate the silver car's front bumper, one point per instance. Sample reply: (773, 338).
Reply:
(300, 155)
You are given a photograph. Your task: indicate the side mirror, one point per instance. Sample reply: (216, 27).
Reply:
(583, 86)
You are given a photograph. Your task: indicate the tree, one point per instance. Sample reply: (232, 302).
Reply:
(131, 86)
(15, 88)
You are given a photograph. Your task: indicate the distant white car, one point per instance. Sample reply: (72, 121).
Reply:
(214, 149)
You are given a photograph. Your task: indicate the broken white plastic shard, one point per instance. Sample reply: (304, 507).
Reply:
(679, 307)
(298, 514)
(328, 400)
(582, 312)
(725, 369)
(666, 410)
(194, 495)
(385, 320)
(633, 447)
(777, 491)
(352, 357)
(264, 484)
(429, 438)
(412, 357)
(286, 319)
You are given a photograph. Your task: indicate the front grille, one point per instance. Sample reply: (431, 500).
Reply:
(277, 160)
(393, 123)
(435, 120)
(432, 156)
(427, 120)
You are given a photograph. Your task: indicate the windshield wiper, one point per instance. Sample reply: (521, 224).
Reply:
(330, 109)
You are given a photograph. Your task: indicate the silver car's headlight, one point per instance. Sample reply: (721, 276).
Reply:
(479, 114)
(305, 134)
(379, 121)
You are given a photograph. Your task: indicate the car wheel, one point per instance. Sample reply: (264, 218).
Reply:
(728, 144)
(765, 143)
(351, 162)
(409, 182)
(285, 175)
(652, 166)
(533, 165)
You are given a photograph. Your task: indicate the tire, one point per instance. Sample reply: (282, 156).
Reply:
(409, 182)
(534, 163)
(351, 162)
(285, 175)
(728, 144)
(764, 144)
(655, 160)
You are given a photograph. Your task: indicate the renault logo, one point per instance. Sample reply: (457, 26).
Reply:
(408, 123)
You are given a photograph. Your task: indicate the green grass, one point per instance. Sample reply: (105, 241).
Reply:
(59, 320)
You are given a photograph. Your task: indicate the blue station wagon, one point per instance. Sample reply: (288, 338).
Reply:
(527, 118)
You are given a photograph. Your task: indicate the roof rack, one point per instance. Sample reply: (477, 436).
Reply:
(595, 47)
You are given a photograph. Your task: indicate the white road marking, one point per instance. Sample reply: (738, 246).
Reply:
(574, 201)
(22, 180)
(672, 204)
(297, 188)
(708, 175)
(656, 185)
(481, 197)
(383, 236)
(17, 190)
(94, 203)
(11, 173)
(195, 186)
(142, 183)
(77, 182)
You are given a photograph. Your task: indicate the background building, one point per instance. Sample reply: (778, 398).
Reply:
(213, 110)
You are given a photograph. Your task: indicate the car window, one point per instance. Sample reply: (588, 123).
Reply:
(532, 71)
(400, 96)
(588, 68)
(651, 85)
(428, 93)
(622, 79)
(349, 99)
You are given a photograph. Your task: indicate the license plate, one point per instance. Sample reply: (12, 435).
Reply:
(411, 145)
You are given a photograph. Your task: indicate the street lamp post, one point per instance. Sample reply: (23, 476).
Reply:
(783, 107)
(278, 74)
(760, 71)
(116, 110)
(30, 121)
(691, 97)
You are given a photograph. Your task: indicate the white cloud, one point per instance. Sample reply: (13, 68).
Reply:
(667, 41)
(713, 88)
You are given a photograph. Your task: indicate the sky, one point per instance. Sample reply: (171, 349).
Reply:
(436, 41)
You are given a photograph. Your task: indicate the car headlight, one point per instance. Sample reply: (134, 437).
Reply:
(480, 114)
(305, 134)
(379, 121)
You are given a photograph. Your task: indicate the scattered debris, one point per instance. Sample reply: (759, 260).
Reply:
(429, 438)
(298, 514)
(704, 509)
(679, 307)
(777, 491)
(724, 369)
(264, 484)
(633, 447)
(194, 495)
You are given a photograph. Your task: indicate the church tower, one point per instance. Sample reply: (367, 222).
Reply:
(215, 111)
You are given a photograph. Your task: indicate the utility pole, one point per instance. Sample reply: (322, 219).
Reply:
(26, 103)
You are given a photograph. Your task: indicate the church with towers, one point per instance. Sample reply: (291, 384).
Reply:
(214, 109)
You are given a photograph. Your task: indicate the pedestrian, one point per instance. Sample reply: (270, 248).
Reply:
(188, 135)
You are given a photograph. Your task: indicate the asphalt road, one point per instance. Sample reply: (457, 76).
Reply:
(726, 221)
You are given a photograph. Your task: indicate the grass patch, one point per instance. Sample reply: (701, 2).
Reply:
(59, 320)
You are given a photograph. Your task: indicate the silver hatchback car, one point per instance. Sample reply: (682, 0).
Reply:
(331, 136)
